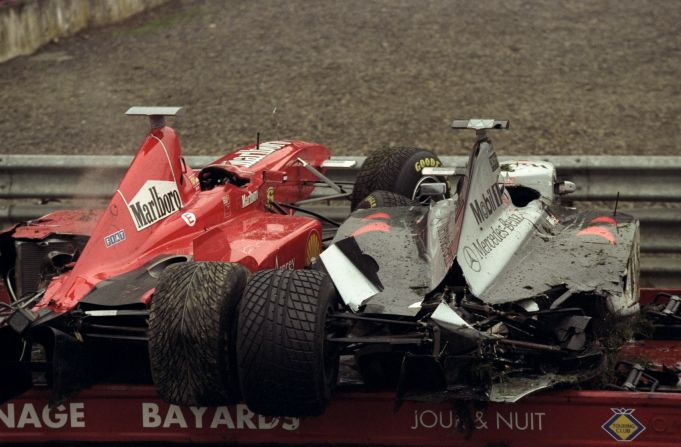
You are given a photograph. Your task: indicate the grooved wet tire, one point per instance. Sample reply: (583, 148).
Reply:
(379, 199)
(394, 169)
(192, 324)
(286, 366)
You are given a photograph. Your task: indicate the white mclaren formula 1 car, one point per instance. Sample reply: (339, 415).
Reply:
(447, 283)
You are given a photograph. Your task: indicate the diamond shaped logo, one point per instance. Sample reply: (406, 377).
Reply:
(623, 426)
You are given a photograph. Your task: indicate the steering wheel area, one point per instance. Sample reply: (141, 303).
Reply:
(212, 176)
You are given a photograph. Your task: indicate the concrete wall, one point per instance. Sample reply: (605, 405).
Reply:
(26, 25)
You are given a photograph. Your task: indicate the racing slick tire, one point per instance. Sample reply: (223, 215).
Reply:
(286, 365)
(387, 199)
(192, 325)
(394, 169)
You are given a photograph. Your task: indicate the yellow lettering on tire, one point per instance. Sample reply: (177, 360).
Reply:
(426, 163)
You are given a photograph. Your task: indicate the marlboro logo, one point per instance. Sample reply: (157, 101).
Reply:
(246, 158)
(156, 200)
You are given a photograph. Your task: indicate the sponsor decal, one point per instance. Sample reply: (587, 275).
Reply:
(371, 227)
(426, 163)
(487, 203)
(622, 425)
(497, 421)
(226, 206)
(270, 196)
(447, 245)
(596, 229)
(194, 181)
(553, 220)
(604, 219)
(17, 415)
(248, 199)
(500, 231)
(471, 259)
(493, 161)
(288, 265)
(156, 200)
(246, 158)
(189, 219)
(600, 232)
(376, 216)
(519, 420)
(313, 247)
(115, 238)
(235, 417)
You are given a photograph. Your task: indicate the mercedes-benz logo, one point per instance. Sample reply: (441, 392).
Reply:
(471, 259)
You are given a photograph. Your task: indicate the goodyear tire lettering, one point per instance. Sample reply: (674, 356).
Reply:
(426, 163)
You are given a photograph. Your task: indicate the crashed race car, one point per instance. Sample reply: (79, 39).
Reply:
(475, 285)
(147, 288)
(446, 283)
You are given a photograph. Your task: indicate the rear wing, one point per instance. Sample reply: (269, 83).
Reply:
(156, 114)
(480, 124)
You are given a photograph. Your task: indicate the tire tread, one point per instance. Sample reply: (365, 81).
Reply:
(279, 349)
(191, 334)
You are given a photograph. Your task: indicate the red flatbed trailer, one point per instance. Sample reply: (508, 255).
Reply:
(134, 414)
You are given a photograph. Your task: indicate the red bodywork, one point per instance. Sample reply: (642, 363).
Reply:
(160, 209)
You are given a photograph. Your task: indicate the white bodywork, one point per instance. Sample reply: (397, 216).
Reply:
(537, 175)
(493, 228)
(353, 287)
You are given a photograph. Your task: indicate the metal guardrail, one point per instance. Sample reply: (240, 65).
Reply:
(55, 180)
(635, 178)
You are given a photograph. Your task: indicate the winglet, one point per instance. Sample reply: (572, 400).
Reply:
(480, 124)
(156, 114)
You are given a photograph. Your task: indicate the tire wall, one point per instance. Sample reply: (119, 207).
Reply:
(26, 25)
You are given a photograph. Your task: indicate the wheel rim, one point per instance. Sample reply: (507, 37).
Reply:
(422, 199)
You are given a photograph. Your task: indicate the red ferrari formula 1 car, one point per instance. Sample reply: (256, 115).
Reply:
(165, 262)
